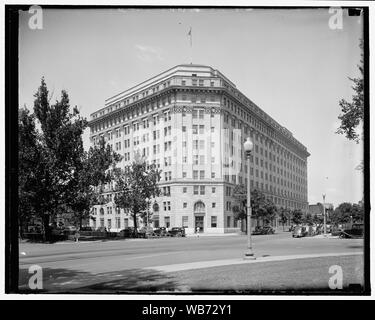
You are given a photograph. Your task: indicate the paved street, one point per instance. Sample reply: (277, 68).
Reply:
(209, 263)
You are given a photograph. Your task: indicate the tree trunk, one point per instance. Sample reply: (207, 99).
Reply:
(135, 223)
(45, 222)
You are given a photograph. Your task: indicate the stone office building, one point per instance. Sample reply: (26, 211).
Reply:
(191, 121)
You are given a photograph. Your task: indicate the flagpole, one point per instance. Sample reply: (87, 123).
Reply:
(191, 45)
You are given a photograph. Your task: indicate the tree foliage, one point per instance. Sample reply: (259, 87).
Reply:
(353, 112)
(135, 187)
(297, 216)
(55, 173)
(262, 208)
(347, 212)
(90, 173)
(284, 215)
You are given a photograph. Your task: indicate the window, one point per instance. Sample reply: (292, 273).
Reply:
(185, 221)
(228, 222)
(213, 221)
(202, 190)
(184, 174)
(184, 205)
(118, 223)
(195, 159)
(195, 174)
(183, 82)
(201, 144)
(167, 222)
(201, 174)
(109, 223)
(212, 129)
(184, 189)
(213, 204)
(201, 159)
(213, 190)
(213, 175)
(195, 114)
(156, 221)
(196, 189)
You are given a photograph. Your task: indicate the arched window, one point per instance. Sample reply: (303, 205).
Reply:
(199, 207)
(155, 207)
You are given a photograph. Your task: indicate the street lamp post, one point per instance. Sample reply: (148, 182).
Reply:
(324, 216)
(248, 147)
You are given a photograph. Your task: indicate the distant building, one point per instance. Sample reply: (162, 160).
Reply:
(191, 122)
(317, 209)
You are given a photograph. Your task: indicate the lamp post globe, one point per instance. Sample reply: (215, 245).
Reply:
(248, 145)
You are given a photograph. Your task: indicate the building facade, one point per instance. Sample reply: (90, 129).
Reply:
(318, 209)
(191, 121)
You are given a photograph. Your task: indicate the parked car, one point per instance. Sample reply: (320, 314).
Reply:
(161, 232)
(357, 231)
(299, 232)
(102, 229)
(86, 229)
(337, 230)
(263, 230)
(144, 232)
(128, 232)
(177, 232)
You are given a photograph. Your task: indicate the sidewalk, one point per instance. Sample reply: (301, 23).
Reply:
(227, 262)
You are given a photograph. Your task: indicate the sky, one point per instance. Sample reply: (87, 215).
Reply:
(289, 62)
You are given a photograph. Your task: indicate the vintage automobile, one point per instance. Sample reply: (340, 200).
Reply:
(161, 232)
(177, 232)
(337, 230)
(357, 231)
(263, 230)
(299, 232)
(128, 232)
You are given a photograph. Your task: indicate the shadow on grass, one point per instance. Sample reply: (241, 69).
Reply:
(125, 281)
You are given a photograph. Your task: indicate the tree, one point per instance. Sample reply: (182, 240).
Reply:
(28, 159)
(347, 212)
(261, 207)
(353, 112)
(308, 219)
(342, 213)
(271, 211)
(91, 172)
(135, 187)
(56, 175)
(317, 219)
(357, 213)
(239, 209)
(284, 215)
(297, 216)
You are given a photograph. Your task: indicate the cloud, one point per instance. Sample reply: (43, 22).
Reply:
(148, 53)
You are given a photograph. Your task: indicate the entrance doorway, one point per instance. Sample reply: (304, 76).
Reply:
(199, 222)
(199, 213)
